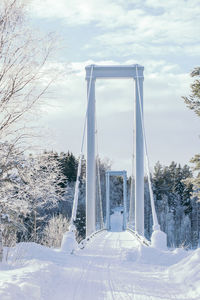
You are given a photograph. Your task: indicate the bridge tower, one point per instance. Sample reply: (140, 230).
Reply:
(94, 72)
(124, 176)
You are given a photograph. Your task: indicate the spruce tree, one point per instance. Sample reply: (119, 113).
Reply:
(69, 166)
(193, 101)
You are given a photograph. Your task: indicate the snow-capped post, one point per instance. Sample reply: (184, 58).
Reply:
(159, 240)
(69, 243)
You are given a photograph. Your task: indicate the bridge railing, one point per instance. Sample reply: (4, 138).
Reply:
(140, 238)
(84, 242)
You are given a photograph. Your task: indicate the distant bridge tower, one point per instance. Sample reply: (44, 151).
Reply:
(94, 72)
(124, 176)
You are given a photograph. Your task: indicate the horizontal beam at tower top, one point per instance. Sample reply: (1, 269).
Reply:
(116, 173)
(114, 71)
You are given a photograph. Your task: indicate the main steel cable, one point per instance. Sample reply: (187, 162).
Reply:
(76, 192)
(156, 225)
(98, 174)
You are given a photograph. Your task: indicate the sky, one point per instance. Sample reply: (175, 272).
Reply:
(163, 36)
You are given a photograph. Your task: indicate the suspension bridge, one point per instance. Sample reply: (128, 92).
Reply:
(108, 240)
(93, 73)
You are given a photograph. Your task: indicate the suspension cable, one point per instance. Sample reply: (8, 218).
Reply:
(131, 219)
(76, 192)
(99, 193)
(99, 177)
(156, 225)
(131, 205)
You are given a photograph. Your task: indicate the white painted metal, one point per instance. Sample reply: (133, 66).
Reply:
(132, 187)
(131, 204)
(139, 159)
(126, 71)
(91, 165)
(122, 71)
(124, 175)
(125, 200)
(76, 191)
(107, 201)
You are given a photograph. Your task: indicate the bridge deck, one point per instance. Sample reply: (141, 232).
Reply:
(108, 270)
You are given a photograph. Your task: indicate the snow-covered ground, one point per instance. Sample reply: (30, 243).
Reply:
(112, 266)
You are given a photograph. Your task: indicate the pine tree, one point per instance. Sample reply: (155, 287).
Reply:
(193, 101)
(69, 165)
(173, 201)
(195, 181)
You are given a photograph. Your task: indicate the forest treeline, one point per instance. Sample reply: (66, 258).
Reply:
(37, 196)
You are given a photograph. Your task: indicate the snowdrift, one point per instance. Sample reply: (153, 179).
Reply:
(112, 265)
(187, 271)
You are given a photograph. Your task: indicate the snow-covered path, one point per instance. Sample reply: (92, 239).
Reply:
(107, 272)
(113, 266)
(102, 275)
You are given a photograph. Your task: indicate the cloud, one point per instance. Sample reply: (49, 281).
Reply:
(124, 25)
(161, 35)
(166, 117)
(77, 12)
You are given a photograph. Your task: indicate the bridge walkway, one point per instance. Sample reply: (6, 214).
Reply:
(109, 270)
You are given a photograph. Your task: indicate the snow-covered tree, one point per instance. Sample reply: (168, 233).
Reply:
(173, 200)
(195, 181)
(29, 190)
(12, 205)
(23, 58)
(42, 188)
(54, 230)
(193, 101)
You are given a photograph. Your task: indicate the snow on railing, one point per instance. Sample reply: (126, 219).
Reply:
(140, 238)
(84, 242)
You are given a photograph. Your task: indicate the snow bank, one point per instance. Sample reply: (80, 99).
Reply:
(35, 272)
(154, 256)
(112, 266)
(27, 251)
(30, 291)
(23, 253)
(188, 269)
(23, 291)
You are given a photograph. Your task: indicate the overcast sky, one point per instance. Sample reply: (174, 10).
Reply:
(163, 36)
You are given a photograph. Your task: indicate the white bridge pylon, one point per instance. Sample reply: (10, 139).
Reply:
(124, 175)
(94, 72)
